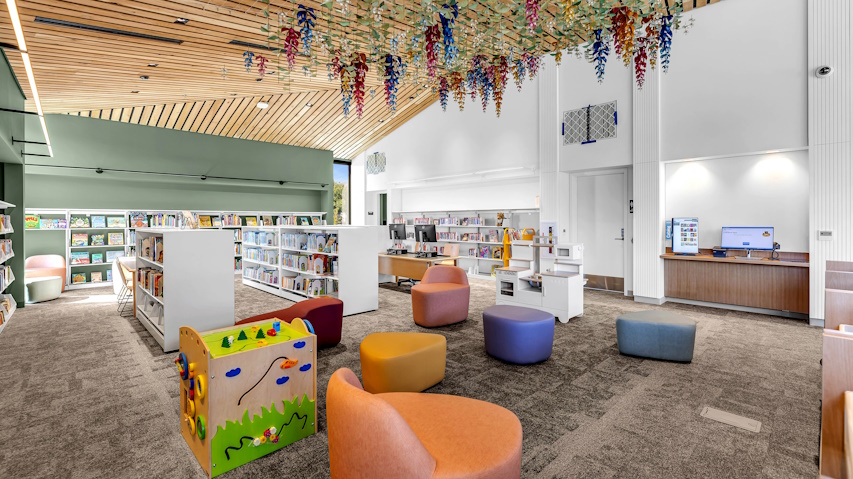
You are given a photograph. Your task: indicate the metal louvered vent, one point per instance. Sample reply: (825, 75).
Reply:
(589, 124)
(376, 163)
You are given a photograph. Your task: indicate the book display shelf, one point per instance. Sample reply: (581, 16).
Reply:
(301, 262)
(477, 233)
(7, 302)
(89, 259)
(174, 268)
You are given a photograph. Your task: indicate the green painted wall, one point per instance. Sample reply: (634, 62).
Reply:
(11, 124)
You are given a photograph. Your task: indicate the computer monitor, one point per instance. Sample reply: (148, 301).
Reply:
(685, 235)
(425, 233)
(747, 238)
(397, 231)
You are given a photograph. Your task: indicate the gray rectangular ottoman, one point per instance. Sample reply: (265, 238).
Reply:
(656, 334)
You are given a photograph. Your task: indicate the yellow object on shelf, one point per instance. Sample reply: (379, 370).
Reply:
(507, 251)
(527, 234)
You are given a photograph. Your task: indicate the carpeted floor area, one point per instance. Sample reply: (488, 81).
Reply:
(86, 393)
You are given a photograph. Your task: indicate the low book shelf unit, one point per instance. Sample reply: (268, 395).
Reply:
(301, 262)
(7, 302)
(183, 278)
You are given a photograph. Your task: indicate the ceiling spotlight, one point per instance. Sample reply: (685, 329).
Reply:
(281, 182)
(381, 121)
(99, 171)
(143, 77)
(153, 64)
(182, 21)
(134, 91)
(263, 105)
(203, 177)
(260, 79)
(309, 105)
(411, 98)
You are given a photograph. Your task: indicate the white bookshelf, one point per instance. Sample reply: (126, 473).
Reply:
(353, 281)
(198, 283)
(171, 219)
(477, 266)
(7, 277)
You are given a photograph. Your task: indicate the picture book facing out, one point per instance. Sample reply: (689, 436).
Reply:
(98, 240)
(79, 239)
(79, 257)
(115, 239)
(115, 222)
(79, 221)
(99, 222)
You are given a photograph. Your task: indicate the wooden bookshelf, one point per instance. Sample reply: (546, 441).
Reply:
(477, 265)
(197, 282)
(350, 271)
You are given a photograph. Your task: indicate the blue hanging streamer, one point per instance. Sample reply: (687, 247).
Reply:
(600, 50)
(305, 18)
(665, 41)
(451, 53)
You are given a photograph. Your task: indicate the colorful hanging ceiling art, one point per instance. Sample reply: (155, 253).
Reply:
(458, 48)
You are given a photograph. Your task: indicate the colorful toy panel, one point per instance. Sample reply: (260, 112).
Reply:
(246, 391)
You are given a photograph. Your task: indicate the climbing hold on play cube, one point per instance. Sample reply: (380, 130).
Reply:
(271, 332)
(225, 343)
(242, 336)
(260, 334)
(277, 326)
(231, 340)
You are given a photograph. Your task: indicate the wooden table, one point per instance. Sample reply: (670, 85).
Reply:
(778, 285)
(410, 266)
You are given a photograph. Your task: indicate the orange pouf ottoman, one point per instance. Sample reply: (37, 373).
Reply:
(402, 362)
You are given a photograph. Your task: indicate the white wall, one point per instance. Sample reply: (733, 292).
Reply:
(737, 81)
(453, 143)
(758, 190)
(580, 88)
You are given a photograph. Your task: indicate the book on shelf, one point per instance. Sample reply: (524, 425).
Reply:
(138, 219)
(5, 248)
(230, 219)
(31, 222)
(158, 249)
(98, 239)
(204, 221)
(238, 234)
(99, 222)
(79, 221)
(79, 257)
(97, 258)
(315, 220)
(398, 221)
(78, 278)
(112, 255)
(190, 220)
(115, 239)
(109, 275)
(217, 222)
(267, 220)
(115, 222)
(304, 221)
(420, 221)
(52, 223)
(79, 239)
(150, 280)
(95, 277)
(251, 221)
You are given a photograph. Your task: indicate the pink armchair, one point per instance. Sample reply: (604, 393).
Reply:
(45, 265)
(442, 297)
(418, 435)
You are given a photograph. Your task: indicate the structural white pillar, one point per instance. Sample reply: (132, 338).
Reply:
(648, 192)
(830, 170)
(549, 139)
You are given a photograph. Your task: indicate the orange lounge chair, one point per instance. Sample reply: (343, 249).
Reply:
(417, 435)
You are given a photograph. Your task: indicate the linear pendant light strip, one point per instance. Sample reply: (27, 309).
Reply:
(25, 56)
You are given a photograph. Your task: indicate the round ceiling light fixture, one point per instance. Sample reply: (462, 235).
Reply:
(263, 105)
(143, 77)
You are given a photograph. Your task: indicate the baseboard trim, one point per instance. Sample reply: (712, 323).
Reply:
(745, 309)
(647, 300)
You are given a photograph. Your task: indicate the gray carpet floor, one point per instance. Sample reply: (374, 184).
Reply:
(86, 393)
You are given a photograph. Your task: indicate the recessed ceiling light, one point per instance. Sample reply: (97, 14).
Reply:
(411, 98)
(381, 121)
(143, 77)
(134, 91)
(309, 105)
(153, 64)
(182, 21)
(261, 79)
(263, 105)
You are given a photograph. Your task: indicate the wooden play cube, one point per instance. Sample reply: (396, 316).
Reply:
(244, 396)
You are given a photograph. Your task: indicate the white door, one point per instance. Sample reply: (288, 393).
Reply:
(601, 227)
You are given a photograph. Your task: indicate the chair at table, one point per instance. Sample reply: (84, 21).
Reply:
(417, 435)
(123, 281)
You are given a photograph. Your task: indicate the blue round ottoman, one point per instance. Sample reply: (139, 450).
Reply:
(518, 335)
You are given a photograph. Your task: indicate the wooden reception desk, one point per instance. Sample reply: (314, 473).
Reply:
(778, 285)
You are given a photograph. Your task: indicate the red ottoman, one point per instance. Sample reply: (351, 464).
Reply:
(442, 297)
(325, 314)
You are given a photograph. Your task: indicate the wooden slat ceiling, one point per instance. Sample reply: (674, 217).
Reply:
(98, 74)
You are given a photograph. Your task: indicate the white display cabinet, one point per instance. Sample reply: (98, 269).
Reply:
(198, 281)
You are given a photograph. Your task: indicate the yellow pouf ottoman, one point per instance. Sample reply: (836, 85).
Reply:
(402, 362)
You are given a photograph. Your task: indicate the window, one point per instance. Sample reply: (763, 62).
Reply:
(341, 192)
